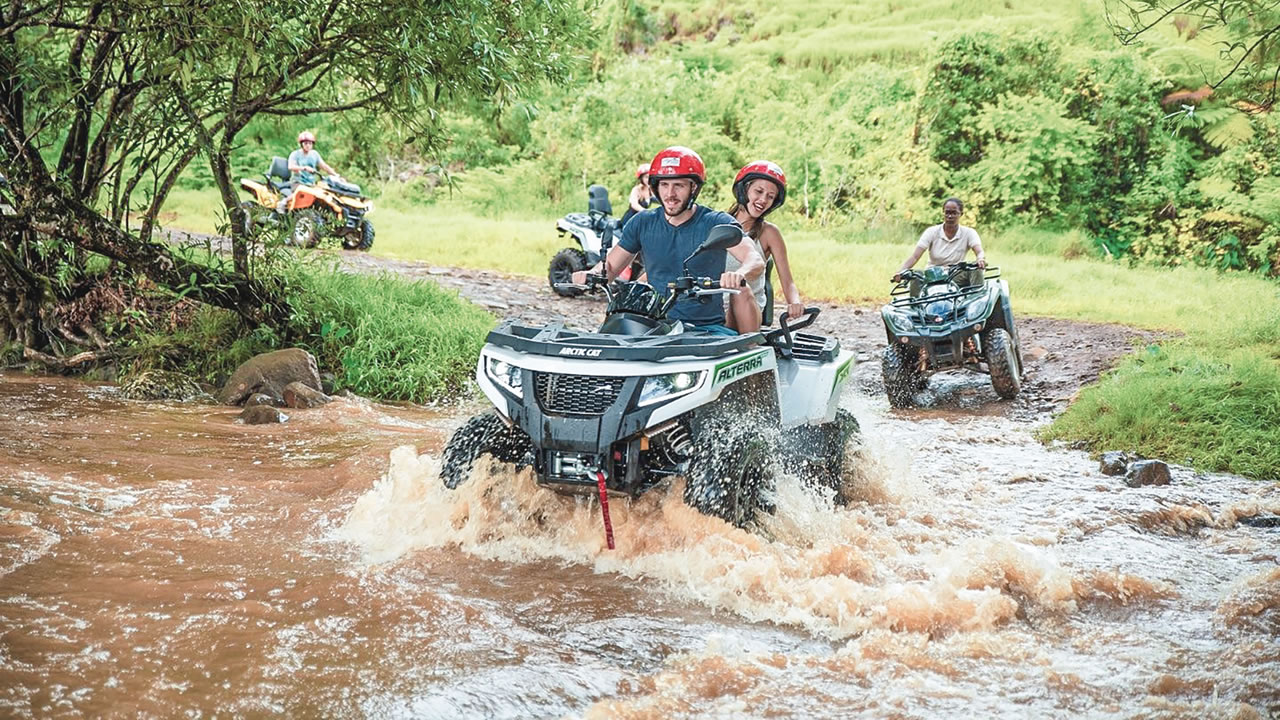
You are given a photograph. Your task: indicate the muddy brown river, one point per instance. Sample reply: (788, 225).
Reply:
(166, 561)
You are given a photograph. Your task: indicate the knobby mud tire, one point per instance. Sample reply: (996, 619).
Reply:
(308, 227)
(1002, 362)
(821, 455)
(844, 441)
(731, 478)
(484, 434)
(563, 265)
(900, 374)
(362, 242)
(249, 208)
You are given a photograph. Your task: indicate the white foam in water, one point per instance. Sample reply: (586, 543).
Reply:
(835, 571)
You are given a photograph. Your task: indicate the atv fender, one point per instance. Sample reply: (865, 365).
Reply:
(264, 195)
(306, 196)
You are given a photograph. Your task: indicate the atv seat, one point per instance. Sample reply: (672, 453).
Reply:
(598, 200)
(342, 187)
(278, 175)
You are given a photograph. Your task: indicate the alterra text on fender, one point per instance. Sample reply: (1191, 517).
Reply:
(735, 369)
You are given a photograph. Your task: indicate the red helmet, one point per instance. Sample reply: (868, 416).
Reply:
(677, 162)
(756, 170)
(642, 170)
(306, 135)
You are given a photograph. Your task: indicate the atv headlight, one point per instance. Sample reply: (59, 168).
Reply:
(667, 387)
(505, 374)
(975, 310)
(900, 321)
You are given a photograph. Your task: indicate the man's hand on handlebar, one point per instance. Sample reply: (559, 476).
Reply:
(733, 280)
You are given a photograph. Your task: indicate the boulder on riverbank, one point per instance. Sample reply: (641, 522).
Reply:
(269, 374)
(262, 415)
(298, 395)
(1147, 472)
(1115, 462)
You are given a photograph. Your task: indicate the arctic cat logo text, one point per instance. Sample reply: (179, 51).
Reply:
(738, 368)
(843, 372)
(580, 352)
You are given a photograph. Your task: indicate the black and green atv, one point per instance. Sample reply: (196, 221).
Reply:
(947, 324)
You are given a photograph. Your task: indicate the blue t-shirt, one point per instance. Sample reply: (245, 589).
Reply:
(665, 248)
(306, 159)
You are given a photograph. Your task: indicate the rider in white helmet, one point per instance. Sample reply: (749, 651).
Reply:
(303, 164)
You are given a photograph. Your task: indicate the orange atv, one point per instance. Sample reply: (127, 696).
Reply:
(332, 206)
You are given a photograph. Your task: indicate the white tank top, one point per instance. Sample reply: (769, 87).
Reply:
(731, 264)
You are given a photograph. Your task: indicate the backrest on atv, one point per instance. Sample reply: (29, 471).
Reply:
(598, 200)
(278, 174)
(766, 315)
(279, 168)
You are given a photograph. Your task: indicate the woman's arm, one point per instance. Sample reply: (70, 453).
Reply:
(637, 202)
(911, 260)
(773, 246)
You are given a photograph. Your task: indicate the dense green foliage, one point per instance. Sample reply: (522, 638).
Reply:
(1027, 125)
(390, 338)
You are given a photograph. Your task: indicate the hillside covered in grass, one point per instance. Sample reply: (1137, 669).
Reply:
(1032, 112)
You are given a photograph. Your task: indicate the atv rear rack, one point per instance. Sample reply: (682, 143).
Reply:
(557, 341)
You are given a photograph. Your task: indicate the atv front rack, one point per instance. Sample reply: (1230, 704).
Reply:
(557, 341)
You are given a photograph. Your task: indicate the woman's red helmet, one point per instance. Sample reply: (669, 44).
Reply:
(306, 135)
(677, 162)
(757, 170)
(642, 171)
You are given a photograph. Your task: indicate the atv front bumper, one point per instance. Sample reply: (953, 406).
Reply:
(942, 347)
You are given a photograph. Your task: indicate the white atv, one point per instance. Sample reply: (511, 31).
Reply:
(596, 231)
(644, 399)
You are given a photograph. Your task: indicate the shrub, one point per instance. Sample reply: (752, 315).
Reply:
(1036, 160)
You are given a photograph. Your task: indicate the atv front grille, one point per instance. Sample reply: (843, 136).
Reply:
(562, 394)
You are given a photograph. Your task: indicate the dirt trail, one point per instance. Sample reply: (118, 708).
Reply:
(1060, 355)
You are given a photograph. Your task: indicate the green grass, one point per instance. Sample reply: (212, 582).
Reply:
(446, 236)
(390, 338)
(828, 34)
(381, 336)
(195, 210)
(1212, 408)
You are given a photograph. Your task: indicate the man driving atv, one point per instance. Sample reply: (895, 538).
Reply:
(671, 232)
(947, 244)
(303, 163)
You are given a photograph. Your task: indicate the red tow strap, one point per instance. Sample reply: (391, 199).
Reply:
(604, 508)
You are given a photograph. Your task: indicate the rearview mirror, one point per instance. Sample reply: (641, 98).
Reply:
(721, 237)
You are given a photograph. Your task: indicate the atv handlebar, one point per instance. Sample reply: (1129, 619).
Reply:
(694, 287)
(903, 279)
